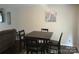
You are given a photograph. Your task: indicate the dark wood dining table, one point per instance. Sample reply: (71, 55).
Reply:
(40, 35)
(37, 36)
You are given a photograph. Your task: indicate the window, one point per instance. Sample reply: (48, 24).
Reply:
(1, 17)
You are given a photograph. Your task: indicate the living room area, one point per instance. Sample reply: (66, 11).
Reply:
(33, 18)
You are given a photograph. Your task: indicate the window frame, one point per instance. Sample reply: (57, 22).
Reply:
(2, 16)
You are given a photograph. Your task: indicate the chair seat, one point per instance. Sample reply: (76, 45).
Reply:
(53, 47)
(53, 43)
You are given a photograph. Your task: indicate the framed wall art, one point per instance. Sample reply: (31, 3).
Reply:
(50, 16)
(9, 18)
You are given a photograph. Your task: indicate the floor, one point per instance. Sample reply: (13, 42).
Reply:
(64, 50)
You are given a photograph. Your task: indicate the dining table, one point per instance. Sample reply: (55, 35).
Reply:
(39, 35)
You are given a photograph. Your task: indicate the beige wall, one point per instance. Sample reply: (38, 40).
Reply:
(32, 17)
(78, 27)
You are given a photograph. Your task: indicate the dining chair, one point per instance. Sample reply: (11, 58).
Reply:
(32, 45)
(42, 45)
(44, 30)
(42, 41)
(55, 45)
(22, 39)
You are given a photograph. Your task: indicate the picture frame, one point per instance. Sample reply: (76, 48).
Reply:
(50, 16)
(9, 18)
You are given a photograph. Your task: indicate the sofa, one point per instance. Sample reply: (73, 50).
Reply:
(7, 39)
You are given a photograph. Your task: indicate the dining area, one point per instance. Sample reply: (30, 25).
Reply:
(39, 29)
(39, 42)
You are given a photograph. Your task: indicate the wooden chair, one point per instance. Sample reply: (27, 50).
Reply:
(56, 45)
(43, 45)
(44, 30)
(42, 42)
(22, 39)
(33, 46)
(30, 44)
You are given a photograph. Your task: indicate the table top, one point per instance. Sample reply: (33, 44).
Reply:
(40, 35)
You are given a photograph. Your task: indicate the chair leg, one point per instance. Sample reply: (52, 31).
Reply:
(42, 52)
(31, 52)
(27, 52)
(59, 52)
(24, 46)
(37, 52)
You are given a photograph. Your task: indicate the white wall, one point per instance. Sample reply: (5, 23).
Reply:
(32, 17)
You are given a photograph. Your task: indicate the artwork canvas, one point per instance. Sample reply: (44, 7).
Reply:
(50, 16)
(9, 18)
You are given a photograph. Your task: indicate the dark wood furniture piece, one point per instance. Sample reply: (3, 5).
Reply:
(53, 43)
(22, 39)
(44, 29)
(38, 35)
(7, 40)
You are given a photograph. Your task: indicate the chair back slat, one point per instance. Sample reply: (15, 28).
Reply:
(44, 30)
(22, 39)
(60, 39)
(21, 34)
